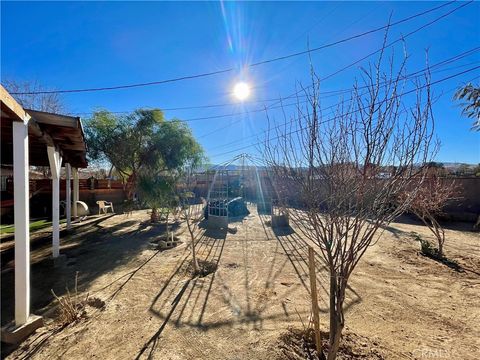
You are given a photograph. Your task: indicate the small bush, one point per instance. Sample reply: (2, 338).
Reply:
(71, 309)
(432, 252)
(428, 249)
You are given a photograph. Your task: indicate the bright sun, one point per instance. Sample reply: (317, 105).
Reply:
(241, 91)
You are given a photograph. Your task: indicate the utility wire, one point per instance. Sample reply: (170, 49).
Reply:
(401, 38)
(298, 130)
(415, 74)
(289, 122)
(325, 94)
(217, 72)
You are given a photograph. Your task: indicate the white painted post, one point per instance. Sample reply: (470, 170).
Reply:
(68, 195)
(55, 164)
(21, 217)
(56, 216)
(75, 192)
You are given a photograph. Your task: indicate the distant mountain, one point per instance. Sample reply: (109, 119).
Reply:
(456, 165)
(230, 167)
(448, 165)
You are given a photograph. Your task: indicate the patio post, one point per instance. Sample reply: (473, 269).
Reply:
(68, 195)
(21, 218)
(75, 192)
(55, 161)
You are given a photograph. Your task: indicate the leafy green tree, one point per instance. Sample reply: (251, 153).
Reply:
(470, 95)
(142, 145)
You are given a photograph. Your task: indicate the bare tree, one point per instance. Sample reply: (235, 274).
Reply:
(349, 169)
(192, 212)
(42, 102)
(430, 199)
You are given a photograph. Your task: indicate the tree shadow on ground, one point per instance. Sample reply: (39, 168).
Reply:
(182, 300)
(296, 250)
(212, 233)
(207, 249)
(397, 233)
(452, 264)
(90, 251)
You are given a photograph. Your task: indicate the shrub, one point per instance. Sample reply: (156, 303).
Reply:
(71, 308)
(428, 249)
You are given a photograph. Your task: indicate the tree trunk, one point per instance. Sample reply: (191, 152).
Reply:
(437, 230)
(166, 223)
(131, 186)
(154, 215)
(440, 235)
(336, 315)
(194, 255)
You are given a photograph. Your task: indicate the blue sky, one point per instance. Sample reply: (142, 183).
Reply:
(95, 44)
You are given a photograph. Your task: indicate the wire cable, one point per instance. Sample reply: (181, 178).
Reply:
(298, 130)
(325, 94)
(279, 58)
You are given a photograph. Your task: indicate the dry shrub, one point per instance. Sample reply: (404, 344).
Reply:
(72, 308)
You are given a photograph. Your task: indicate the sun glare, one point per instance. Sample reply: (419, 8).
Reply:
(241, 91)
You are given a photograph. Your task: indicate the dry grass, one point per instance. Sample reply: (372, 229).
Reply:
(72, 308)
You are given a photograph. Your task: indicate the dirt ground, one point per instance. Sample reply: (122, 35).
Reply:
(400, 305)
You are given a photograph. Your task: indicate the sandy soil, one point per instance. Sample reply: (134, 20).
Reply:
(400, 305)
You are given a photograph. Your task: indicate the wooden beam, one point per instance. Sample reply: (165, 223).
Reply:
(39, 133)
(13, 106)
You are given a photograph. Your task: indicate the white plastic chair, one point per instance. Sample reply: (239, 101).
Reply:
(103, 206)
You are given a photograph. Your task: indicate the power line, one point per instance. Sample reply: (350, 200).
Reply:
(217, 72)
(412, 75)
(292, 120)
(325, 94)
(274, 105)
(348, 39)
(401, 38)
(296, 131)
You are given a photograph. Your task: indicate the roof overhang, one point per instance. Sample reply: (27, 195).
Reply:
(65, 133)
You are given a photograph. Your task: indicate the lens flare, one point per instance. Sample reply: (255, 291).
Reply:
(241, 91)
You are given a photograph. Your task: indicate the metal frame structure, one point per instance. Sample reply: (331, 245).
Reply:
(217, 199)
